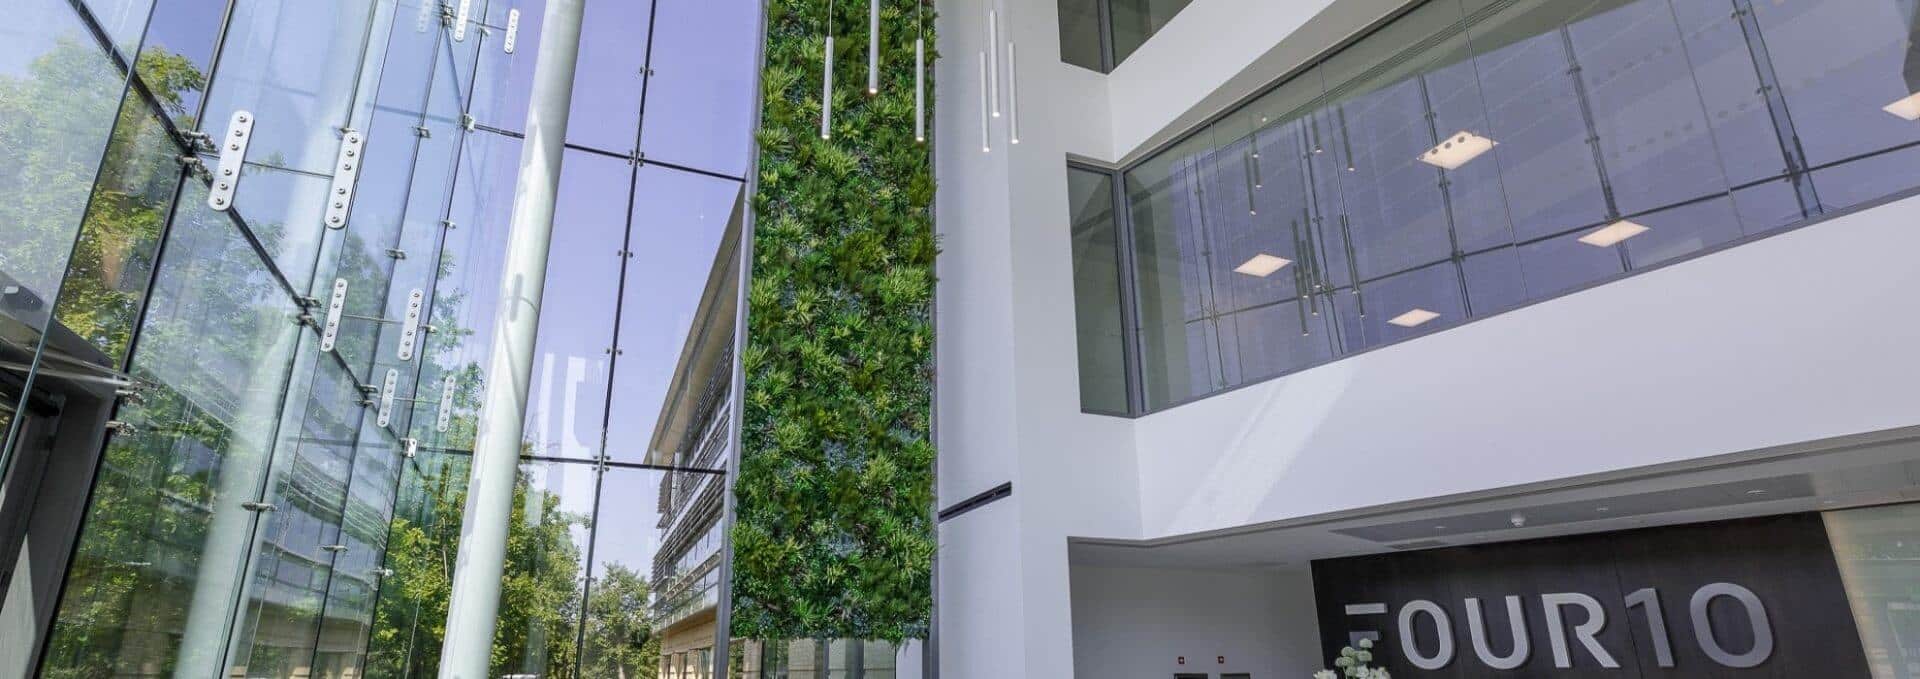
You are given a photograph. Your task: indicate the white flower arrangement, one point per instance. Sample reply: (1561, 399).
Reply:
(1353, 663)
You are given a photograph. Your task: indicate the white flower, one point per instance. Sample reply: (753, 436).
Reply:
(1364, 656)
(1326, 674)
(1343, 661)
(1366, 643)
(1347, 652)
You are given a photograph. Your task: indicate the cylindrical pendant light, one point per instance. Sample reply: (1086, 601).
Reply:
(986, 142)
(920, 90)
(826, 94)
(920, 71)
(873, 47)
(1013, 96)
(993, 63)
(826, 80)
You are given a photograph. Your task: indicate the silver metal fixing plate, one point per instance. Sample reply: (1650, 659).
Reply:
(513, 30)
(345, 169)
(336, 304)
(386, 396)
(446, 404)
(460, 20)
(233, 155)
(410, 328)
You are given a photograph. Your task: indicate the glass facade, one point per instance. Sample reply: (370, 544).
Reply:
(1876, 548)
(1099, 34)
(257, 484)
(1471, 156)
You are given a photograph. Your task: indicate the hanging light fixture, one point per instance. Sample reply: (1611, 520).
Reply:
(993, 60)
(873, 46)
(826, 81)
(920, 73)
(1013, 97)
(986, 141)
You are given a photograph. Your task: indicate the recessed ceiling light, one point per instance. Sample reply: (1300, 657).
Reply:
(1262, 265)
(1463, 146)
(1413, 318)
(1757, 491)
(1907, 108)
(1611, 234)
(1603, 509)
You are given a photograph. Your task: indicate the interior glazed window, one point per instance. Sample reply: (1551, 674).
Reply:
(1099, 34)
(1080, 31)
(1096, 292)
(1472, 156)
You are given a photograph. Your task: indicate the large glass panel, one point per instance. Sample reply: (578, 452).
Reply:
(122, 20)
(112, 264)
(540, 597)
(294, 65)
(422, 540)
(679, 219)
(347, 616)
(58, 98)
(700, 93)
(1080, 34)
(160, 554)
(1136, 20)
(607, 82)
(1840, 64)
(567, 396)
(503, 81)
(176, 58)
(1472, 156)
(295, 544)
(1096, 292)
(622, 638)
(1877, 549)
(466, 292)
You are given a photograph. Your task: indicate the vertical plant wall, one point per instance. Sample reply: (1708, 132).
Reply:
(833, 534)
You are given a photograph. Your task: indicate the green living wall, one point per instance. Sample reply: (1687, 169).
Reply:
(834, 534)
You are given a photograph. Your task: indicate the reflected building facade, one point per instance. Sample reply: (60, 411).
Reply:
(238, 431)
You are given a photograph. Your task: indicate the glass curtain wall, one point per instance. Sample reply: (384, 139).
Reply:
(1099, 34)
(1471, 156)
(280, 490)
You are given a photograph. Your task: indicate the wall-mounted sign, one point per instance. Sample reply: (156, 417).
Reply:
(1757, 597)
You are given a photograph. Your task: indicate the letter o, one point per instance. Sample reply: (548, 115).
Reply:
(1756, 617)
(1410, 647)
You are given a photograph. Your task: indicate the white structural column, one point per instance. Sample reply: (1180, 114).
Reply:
(475, 602)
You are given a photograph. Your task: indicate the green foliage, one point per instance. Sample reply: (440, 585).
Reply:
(540, 595)
(833, 536)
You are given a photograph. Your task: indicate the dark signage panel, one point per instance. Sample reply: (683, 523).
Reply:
(1749, 598)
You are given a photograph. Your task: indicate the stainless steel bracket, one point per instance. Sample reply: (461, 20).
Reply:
(446, 405)
(410, 328)
(460, 20)
(513, 30)
(336, 304)
(386, 397)
(233, 155)
(409, 447)
(257, 506)
(345, 170)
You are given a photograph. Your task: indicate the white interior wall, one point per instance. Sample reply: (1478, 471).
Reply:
(1135, 623)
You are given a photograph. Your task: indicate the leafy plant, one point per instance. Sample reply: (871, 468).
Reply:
(833, 535)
